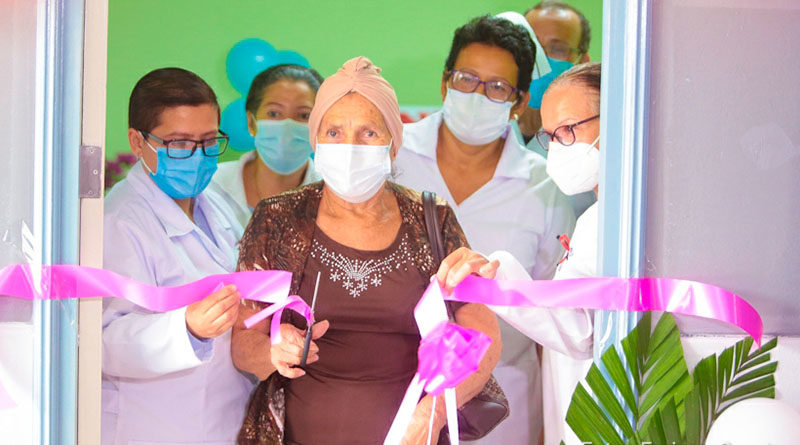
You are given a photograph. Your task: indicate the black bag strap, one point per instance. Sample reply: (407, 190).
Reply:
(434, 235)
(432, 226)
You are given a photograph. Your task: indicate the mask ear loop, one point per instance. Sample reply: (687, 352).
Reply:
(141, 158)
(596, 141)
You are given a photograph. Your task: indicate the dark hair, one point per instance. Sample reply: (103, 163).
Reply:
(501, 33)
(586, 75)
(166, 88)
(275, 73)
(586, 28)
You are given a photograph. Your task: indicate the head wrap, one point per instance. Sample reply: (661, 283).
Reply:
(361, 76)
(541, 66)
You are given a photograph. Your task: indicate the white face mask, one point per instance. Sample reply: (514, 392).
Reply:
(354, 172)
(473, 118)
(574, 168)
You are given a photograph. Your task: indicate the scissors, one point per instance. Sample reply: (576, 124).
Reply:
(307, 341)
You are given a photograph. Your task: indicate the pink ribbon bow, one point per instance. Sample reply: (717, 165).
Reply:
(448, 355)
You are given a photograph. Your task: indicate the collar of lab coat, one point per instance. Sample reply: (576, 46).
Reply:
(175, 222)
(422, 137)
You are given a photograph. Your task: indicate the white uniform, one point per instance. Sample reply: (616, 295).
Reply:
(520, 210)
(228, 183)
(560, 372)
(160, 384)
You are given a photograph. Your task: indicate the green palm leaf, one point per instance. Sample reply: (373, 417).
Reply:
(721, 381)
(651, 379)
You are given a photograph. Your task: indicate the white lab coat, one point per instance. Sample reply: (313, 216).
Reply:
(229, 183)
(561, 373)
(520, 210)
(160, 384)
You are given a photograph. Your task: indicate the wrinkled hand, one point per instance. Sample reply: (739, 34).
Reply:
(214, 314)
(461, 263)
(289, 351)
(417, 432)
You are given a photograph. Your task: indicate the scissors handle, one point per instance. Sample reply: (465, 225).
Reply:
(306, 345)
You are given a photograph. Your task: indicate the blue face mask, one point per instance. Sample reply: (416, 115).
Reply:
(283, 145)
(183, 178)
(539, 86)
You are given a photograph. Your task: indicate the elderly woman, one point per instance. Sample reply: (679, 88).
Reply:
(367, 240)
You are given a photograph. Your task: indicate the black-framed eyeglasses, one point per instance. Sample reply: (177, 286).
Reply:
(494, 90)
(565, 134)
(185, 148)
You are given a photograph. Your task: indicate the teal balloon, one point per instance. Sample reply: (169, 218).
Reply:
(287, 57)
(234, 124)
(246, 59)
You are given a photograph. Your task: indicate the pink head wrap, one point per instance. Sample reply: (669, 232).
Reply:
(361, 76)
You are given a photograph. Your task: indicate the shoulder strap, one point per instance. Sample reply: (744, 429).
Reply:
(432, 226)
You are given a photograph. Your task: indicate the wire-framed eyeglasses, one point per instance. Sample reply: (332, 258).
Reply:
(185, 148)
(565, 134)
(494, 90)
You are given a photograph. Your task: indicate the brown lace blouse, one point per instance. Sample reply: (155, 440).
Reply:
(368, 356)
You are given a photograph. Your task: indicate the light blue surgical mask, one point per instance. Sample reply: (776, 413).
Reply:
(283, 145)
(183, 178)
(539, 86)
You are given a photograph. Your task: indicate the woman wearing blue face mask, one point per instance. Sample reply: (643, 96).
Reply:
(500, 194)
(166, 374)
(278, 104)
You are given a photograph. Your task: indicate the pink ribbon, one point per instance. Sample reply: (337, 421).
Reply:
(633, 294)
(448, 355)
(62, 282)
(627, 294)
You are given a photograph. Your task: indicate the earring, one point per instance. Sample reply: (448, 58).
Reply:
(515, 116)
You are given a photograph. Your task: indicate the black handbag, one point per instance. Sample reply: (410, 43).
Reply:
(480, 415)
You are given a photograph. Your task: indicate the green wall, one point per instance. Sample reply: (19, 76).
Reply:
(408, 39)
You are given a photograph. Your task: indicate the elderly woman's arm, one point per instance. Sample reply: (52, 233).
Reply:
(453, 270)
(253, 352)
(250, 348)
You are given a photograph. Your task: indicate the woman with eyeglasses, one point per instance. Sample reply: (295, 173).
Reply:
(278, 104)
(500, 194)
(571, 131)
(169, 377)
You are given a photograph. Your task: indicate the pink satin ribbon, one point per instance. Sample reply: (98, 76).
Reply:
(635, 294)
(627, 294)
(449, 354)
(62, 282)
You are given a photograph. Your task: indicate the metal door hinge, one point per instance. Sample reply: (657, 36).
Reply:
(91, 184)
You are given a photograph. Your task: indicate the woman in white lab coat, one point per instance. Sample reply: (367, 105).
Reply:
(278, 105)
(500, 194)
(571, 131)
(168, 378)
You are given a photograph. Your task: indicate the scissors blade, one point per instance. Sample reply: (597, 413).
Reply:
(307, 341)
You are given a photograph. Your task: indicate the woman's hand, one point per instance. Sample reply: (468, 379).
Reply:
(289, 351)
(463, 262)
(417, 432)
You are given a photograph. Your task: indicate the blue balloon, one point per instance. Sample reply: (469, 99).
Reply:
(234, 124)
(292, 58)
(246, 59)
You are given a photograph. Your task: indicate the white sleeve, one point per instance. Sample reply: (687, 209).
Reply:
(565, 330)
(560, 221)
(138, 343)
